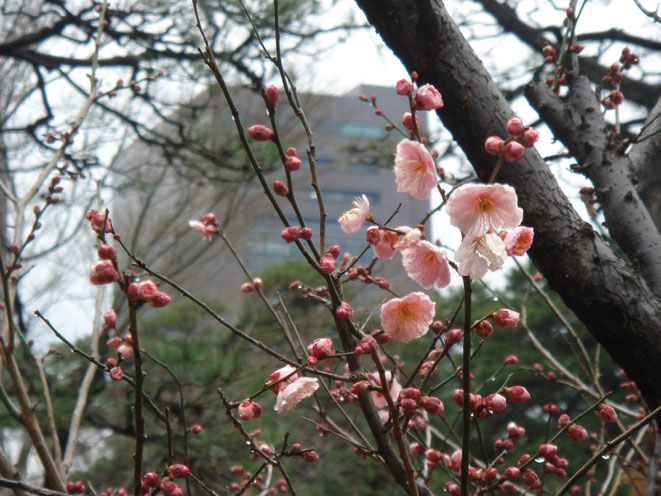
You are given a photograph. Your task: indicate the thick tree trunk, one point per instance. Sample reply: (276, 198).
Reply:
(607, 293)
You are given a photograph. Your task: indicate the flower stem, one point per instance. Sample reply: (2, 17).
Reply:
(465, 445)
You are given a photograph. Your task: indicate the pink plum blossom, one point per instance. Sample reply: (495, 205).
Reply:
(428, 98)
(294, 393)
(408, 318)
(505, 317)
(352, 220)
(248, 410)
(494, 145)
(513, 151)
(404, 87)
(286, 371)
(475, 208)
(383, 242)
(410, 238)
(110, 318)
(530, 137)
(514, 126)
(477, 255)
(415, 172)
(200, 228)
(103, 272)
(321, 348)
(427, 265)
(518, 241)
(394, 387)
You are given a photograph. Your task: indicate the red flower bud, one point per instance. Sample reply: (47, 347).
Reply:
(261, 132)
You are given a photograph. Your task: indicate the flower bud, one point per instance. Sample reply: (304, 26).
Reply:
(494, 145)
(577, 432)
(272, 94)
(110, 318)
(103, 272)
(116, 374)
(416, 449)
(519, 394)
(368, 344)
(548, 450)
(496, 402)
(452, 337)
(178, 470)
(484, 329)
(310, 456)
(280, 188)
(548, 51)
(505, 317)
(407, 121)
(113, 343)
(344, 311)
(513, 151)
(530, 137)
(327, 264)
(293, 163)
(433, 456)
(147, 289)
(107, 252)
(432, 405)
(428, 98)
(261, 132)
(607, 413)
(361, 387)
(404, 87)
(514, 126)
(151, 479)
(160, 300)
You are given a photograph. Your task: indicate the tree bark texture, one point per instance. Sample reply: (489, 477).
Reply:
(606, 291)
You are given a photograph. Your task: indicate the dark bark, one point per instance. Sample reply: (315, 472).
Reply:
(635, 90)
(606, 292)
(580, 125)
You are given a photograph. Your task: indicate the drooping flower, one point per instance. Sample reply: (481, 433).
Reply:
(405, 319)
(352, 220)
(383, 242)
(475, 208)
(518, 241)
(415, 172)
(477, 255)
(427, 265)
(287, 371)
(394, 388)
(294, 393)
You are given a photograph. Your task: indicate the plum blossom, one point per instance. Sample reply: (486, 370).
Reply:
(518, 241)
(383, 242)
(477, 255)
(427, 265)
(415, 172)
(410, 238)
(294, 393)
(286, 371)
(428, 98)
(505, 317)
(408, 318)
(103, 272)
(393, 386)
(475, 208)
(352, 220)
